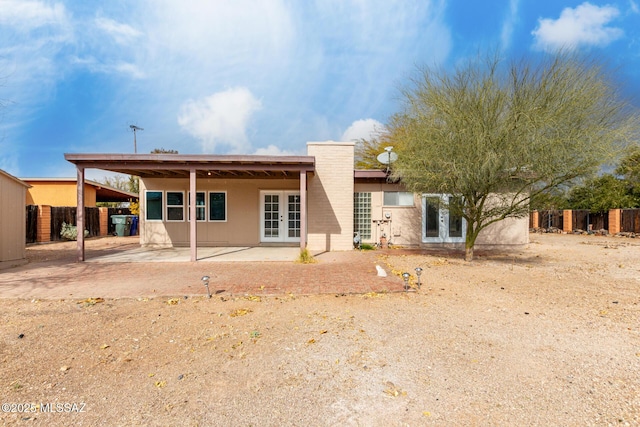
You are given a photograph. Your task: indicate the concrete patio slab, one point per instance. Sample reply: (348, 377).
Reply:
(205, 254)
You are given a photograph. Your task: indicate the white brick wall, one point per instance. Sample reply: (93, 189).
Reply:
(330, 196)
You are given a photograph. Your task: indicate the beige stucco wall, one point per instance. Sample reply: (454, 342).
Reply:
(242, 227)
(405, 225)
(330, 197)
(12, 221)
(508, 232)
(59, 194)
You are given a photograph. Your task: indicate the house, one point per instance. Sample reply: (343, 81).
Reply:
(12, 220)
(315, 201)
(64, 192)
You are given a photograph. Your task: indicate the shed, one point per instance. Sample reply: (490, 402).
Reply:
(12, 220)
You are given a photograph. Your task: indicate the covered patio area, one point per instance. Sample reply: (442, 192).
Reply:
(294, 169)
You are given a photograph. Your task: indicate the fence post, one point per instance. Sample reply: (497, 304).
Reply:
(535, 219)
(44, 224)
(104, 221)
(567, 220)
(615, 217)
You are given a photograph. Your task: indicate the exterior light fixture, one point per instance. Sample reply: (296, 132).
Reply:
(418, 273)
(406, 276)
(205, 281)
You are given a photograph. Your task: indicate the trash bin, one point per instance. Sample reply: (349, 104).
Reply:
(120, 221)
(134, 225)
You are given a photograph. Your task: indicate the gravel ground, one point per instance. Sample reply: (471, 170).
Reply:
(546, 336)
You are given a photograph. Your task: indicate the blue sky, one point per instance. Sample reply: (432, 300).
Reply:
(254, 76)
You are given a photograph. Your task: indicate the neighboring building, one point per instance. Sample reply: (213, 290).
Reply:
(315, 201)
(12, 220)
(64, 192)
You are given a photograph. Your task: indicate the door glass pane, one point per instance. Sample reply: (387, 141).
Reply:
(271, 215)
(455, 221)
(293, 223)
(432, 224)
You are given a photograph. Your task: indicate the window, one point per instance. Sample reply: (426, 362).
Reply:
(153, 203)
(294, 215)
(362, 214)
(175, 206)
(398, 198)
(217, 206)
(200, 206)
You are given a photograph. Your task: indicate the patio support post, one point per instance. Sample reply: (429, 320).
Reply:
(303, 210)
(80, 213)
(193, 237)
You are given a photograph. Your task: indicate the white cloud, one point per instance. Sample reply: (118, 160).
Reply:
(28, 15)
(634, 6)
(121, 33)
(93, 65)
(363, 129)
(272, 150)
(220, 119)
(509, 24)
(586, 25)
(217, 35)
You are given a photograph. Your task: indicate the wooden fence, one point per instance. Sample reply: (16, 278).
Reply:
(67, 214)
(44, 223)
(547, 219)
(582, 219)
(32, 223)
(630, 221)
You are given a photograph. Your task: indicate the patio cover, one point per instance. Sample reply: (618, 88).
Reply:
(194, 166)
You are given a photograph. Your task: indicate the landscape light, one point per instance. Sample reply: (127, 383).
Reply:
(205, 280)
(406, 276)
(418, 273)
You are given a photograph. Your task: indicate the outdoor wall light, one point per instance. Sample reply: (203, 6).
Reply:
(406, 276)
(418, 273)
(205, 281)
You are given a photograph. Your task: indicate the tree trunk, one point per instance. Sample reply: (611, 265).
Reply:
(468, 253)
(470, 242)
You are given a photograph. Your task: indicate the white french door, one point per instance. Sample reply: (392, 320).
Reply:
(280, 214)
(438, 224)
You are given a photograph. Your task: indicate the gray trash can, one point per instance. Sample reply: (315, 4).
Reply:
(120, 221)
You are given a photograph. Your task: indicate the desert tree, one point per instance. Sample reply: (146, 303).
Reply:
(495, 133)
(629, 169)
(601, 194)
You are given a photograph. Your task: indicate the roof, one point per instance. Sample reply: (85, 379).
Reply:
(104, 192)
(373, 176)
(13, 178)
(205, 165)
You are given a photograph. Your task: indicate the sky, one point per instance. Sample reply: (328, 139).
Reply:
(255, 76)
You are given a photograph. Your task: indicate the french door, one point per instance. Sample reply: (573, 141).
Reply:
(280, 214)
(438, 224)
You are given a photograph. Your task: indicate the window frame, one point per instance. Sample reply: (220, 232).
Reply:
(226, 204)
(168, 206)
(398, 203)
(362, 220)
(146, 206)
(203, 207)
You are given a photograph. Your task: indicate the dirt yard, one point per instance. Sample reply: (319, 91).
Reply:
(546, 336)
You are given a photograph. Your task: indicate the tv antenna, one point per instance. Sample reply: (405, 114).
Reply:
(135, 128)
(387, 157)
